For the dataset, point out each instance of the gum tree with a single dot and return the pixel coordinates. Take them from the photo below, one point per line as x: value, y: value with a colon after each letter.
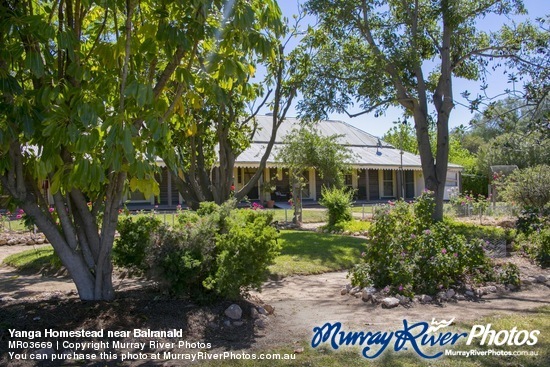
x: 86, y: 91
x: 375, y: 54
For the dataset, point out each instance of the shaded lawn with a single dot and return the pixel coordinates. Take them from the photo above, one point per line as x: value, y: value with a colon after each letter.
x: 34, y: 260
x: 307, y: 253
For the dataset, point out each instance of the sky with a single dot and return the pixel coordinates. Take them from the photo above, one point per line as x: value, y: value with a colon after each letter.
x: 460, y: 115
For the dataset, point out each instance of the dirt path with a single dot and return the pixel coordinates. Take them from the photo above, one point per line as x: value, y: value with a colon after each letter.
x: 303, y: 302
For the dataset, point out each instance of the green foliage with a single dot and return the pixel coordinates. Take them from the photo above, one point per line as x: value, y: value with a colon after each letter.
x: 305, y: 148
x: 531, y: 220
x: 476, y: 184
x: 409, y: 253
x: 219, y: 252
x: 537, y: 246
x: 508, y: 273
x: 130, y: 249
x: 529, y: 187
x: 338, y: 202
x: 243, y: 253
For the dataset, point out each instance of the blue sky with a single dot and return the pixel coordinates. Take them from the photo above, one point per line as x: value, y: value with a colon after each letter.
x: 460, y: 115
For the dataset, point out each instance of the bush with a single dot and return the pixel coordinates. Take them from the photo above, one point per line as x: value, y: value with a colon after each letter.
x: 219, y: 253
x: 532, y: 219
x: 338, y: 202
x: 537, y: 246
x: 243, y: 253
x: 410, y: 254
x: 135, y: 238
x: 529, y: 187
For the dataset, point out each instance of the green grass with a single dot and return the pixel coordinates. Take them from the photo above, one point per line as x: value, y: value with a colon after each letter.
x: 474, y: 231
x: 538, y: 319
x: 314, y: 253
x: 34, y: 260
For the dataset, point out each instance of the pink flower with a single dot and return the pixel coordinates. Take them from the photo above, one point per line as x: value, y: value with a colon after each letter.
x: 51, y: 210
x: 455, y: 254
x: 21, y: 211
x: 19, y: 216
x: 443, y: 251
x: 413, y: 236
x: 400, y: 288
x: 428, y: 232
x: 363, y: 254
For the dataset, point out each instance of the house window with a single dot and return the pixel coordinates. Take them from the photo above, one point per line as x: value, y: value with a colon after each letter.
x: 387, y: 183
x: 239, y: 176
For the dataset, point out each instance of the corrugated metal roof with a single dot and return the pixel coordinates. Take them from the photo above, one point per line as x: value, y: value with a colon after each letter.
x: 365, y: 147
x: 351, y: 136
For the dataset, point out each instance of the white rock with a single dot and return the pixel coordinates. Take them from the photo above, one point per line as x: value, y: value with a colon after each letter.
x: 469, y: 293
x: 390, y: 302
x: 460, y: 297
x: 368, y: 293
x: 234, y: 312
x: 354, y: 290
x: 343, y: 291
x: 262, y: 311
x: 491, y: 289
x: 425, y: 298
x: 442, y: 295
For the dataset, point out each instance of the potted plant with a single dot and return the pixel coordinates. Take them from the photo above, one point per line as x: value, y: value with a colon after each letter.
x: 268, y: 189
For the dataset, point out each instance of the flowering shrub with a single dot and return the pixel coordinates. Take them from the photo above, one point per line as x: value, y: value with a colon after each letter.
x: 410, y: 254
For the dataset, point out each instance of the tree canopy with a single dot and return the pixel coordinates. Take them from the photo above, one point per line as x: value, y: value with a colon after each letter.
x: 89, y: 91
x: 374, y: 54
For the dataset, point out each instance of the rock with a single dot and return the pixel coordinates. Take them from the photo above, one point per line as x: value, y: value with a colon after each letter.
x: 261, y: 323
x: 468, y: 287
x: 403, y: 300
x: 37, y: 318
x: 354, y: 290
x: 425, y: 298
x: 254, y: 313
x: 469, y: 293
x: 299, y: 350
x: 7, y: 299
x: 40, y: 241
x: 491, y: 289
x: 238, y: 323
x: 12, y: 241
x: 442, y: 296
x: 450, y: 293
x: 368, y: 293
x: 344, y: 291
x: 460, y: 297
x: 540, y: 279
x: 270, y: 309
x: 3, y: 242
x: 234, y: 312
x: 212, y: 325
x: 390, y: 302
x: 512, y: 287
x: 227, y: 323
x: 526, y: 282
x: 262, y: 311
x: 30, y: 243
x: 358, y: 295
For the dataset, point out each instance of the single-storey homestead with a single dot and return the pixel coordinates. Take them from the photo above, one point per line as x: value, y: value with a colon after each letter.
x: 380, y: 171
